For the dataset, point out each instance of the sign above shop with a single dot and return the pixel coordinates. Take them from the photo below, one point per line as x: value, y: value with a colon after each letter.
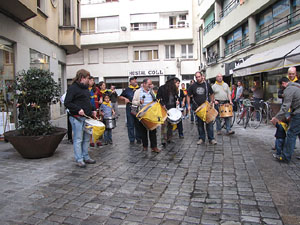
x: 146, y: 73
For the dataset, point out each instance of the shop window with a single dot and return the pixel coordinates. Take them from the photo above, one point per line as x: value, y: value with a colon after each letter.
x: 88, y: 26
x: 67, y: 12
x: 187, y: 51
x: 170, y: 51
x: 108, y: 24
x: 39, y: 60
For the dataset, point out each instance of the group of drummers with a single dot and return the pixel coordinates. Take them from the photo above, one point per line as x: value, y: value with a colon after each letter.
x: 144, y: 115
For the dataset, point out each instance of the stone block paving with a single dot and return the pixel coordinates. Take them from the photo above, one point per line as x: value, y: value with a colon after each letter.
x: 235, y: 182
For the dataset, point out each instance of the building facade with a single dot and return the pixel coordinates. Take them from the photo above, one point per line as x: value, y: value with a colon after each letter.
x: 35, y: 34
x: 240, y: 39
x: 122, y: 38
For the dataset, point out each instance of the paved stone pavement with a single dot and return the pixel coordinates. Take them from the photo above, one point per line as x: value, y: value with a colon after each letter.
x: 234, y: 182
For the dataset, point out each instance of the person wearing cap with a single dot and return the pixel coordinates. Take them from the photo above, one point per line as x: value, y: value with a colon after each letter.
x: 132, y: 121
x: 291, y: 101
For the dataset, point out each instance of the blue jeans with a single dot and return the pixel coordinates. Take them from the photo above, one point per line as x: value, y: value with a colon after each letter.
x: 291, y: 136
x: 192, y: 113
x: 81, y: 139
x: 279, y: 144
x: 108, y: 135
x: 209, y: 130
x: 218, y: 121
x: 132, y: 126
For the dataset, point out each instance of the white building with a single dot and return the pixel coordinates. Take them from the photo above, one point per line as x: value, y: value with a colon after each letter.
x: 155, y: 39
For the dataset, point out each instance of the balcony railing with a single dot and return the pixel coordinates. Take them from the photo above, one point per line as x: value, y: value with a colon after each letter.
x: 237, y: 45
x: 228, y: 8
x: 278, y: 26
x: 212, y: 59
x: 86, y: 2
x: 209, y: 26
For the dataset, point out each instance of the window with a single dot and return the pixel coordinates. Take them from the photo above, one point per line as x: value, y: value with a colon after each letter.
x: 67, y: 12
x: 143, y: 26
x: 187, y: 51
x: 237, y: 39
x: 170, y: 51
x: 88, y: 26
x: 39, y: 60
x: 111, y: 55
x: 146, y: 54
x: 108, y: 24
x: 41, y: 4
x: 296, y: 5
x: 93, y: 56
x: 75, y: 59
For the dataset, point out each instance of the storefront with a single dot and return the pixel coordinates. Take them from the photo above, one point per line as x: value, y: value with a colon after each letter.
x: 7, y: 77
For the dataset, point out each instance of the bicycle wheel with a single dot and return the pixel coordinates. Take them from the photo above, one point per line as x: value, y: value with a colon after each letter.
x: 240, y: 115
x: 255, y: 118
x: 246, y: 120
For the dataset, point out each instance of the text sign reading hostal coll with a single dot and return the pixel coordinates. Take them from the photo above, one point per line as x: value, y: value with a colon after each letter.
x: 146, y: 73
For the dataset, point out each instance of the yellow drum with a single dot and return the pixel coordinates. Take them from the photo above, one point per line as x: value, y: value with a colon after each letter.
x: 152, y: 115
x: 206, y: 112
x: 225, y: 110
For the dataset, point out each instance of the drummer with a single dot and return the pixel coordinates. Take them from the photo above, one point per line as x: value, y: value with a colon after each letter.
x: 222, y: 96
x: 141, y: 98
x: 201, y: 91
x: 168, y: 96
x: 78, y: 103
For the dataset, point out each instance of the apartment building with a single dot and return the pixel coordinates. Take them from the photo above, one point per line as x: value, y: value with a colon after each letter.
x: 250, y: 40
x: 39, y: 34
x: 122, y: 38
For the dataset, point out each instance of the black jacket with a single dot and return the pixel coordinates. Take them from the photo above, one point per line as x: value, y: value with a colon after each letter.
x: 164, y: 98
x: 78, y: 97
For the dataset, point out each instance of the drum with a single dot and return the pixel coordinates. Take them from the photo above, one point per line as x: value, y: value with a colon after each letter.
x: 110, y: 122
x: 225, y: 110
x: 152, y: 115
x: 206, y: 112
x: 90, y: 123
x: 174, y: 116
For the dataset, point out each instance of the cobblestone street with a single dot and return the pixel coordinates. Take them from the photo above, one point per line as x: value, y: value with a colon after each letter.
x: 234, y: 182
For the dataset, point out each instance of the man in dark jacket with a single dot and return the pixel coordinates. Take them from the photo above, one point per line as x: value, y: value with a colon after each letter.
x: 78, y: 102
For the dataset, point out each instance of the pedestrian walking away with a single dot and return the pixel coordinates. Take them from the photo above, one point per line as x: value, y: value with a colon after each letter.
x: 132, y: 121
x: 201, y: 92
x: 78, y: 103
x: 291, y: 101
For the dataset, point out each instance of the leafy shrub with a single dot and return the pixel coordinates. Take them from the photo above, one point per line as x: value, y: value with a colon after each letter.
x: 35, y: 91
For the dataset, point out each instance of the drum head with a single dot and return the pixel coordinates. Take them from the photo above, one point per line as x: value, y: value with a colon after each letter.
x: 174, y: 114
x: 93, y: 122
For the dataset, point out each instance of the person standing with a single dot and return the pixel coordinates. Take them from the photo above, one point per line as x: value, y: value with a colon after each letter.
x: 141, y: 98
x: 292, y: 74
x: 192, y: 112
x: 201, y: 92
x: 291, y: 101
x: 182, y: 95
x: 107, y: 111
x: 132, y: 121
x: 114, y: 99
x: 222, y: 96
x: 79, y: 105
x: 168, y: 96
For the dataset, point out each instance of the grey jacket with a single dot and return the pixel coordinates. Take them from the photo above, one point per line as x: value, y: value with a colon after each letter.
x: 291, y: 100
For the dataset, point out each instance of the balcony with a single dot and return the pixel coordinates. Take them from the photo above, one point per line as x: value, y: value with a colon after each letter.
x: 209, y: 26
x: 278, y: 26
x: 19, y: 9
x: 237, y: 45
x: 69, y: 39
x: 228, y: 8
x: 168, y: 34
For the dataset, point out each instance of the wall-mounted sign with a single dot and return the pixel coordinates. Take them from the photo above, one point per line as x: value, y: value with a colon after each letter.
x: 146, y: 73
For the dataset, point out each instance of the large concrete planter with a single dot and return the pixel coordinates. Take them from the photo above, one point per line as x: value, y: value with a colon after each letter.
x: 35, y: 147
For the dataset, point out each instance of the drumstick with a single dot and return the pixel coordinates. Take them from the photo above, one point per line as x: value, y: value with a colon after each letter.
x: 91, y: 117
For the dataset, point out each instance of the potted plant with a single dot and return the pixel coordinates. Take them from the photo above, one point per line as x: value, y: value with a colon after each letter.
x: 35, y: 136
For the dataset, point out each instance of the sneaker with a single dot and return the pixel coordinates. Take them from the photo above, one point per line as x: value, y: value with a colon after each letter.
x: 81, y: 164
x: 132, y: 143
x: 219, y: 132
x: 90, y: 161
x: 99, y: 143
x: 181, y: 137
x: 155, y: 149
x: 105, y: 143
x: 145, y: 148
x: 200, y: 142
x: 70, y: 141
x: 213, y: 142
x: 230, y: 132
x: 92, y: 145
x: 164, y: 144
x: 110, y: 142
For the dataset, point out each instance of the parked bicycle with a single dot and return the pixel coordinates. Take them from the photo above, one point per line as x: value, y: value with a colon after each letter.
x: 249, y: 114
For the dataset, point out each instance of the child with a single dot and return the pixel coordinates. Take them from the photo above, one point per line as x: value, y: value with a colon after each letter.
x: 107, y: 111
x: 280, y: 135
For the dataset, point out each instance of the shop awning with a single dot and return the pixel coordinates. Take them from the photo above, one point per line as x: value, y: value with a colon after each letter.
x: 273, y: 59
